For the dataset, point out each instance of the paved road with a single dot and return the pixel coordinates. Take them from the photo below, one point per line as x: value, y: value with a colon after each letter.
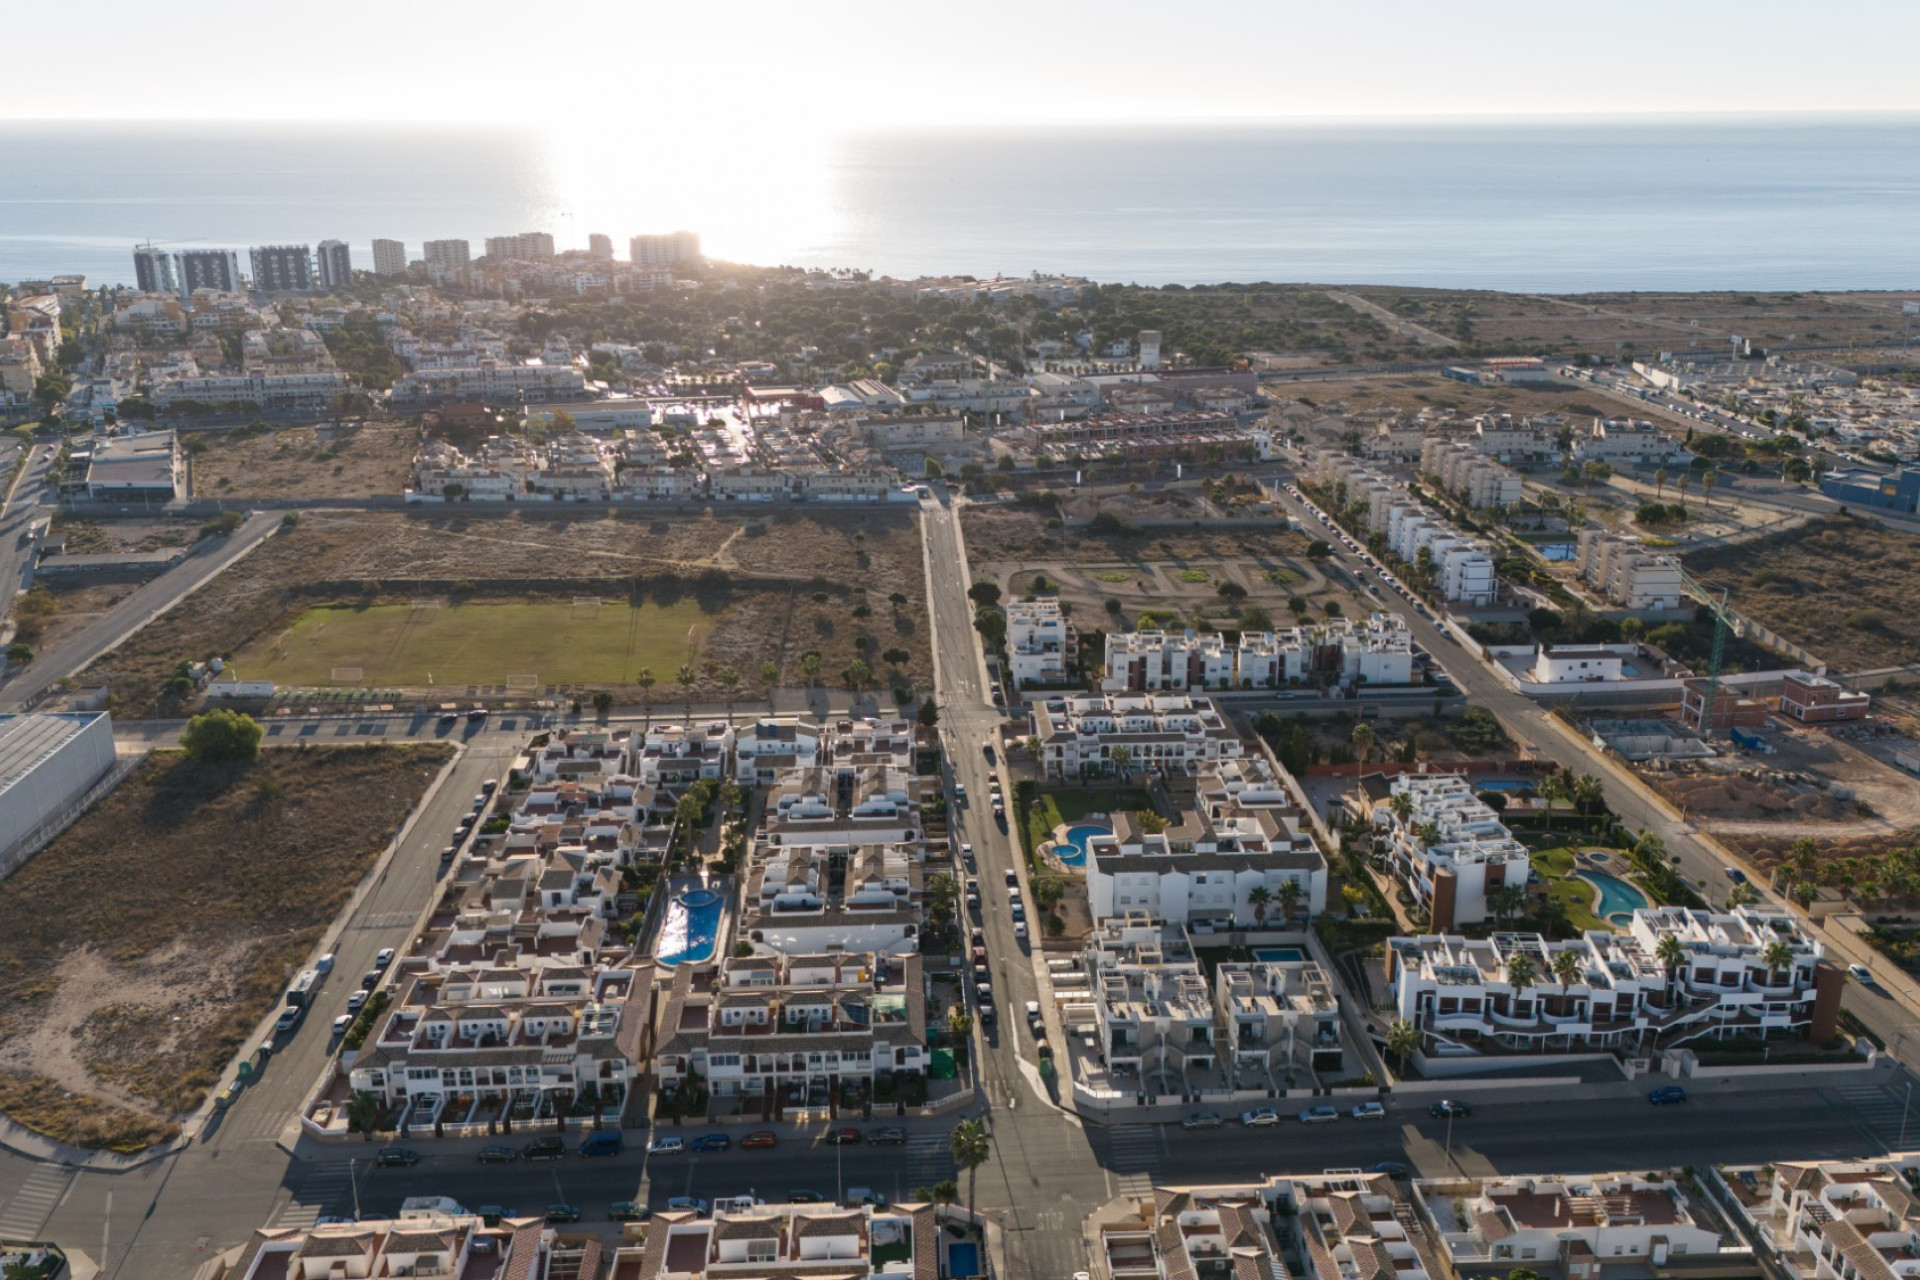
x: 31, y: 499
x: 134, y: 612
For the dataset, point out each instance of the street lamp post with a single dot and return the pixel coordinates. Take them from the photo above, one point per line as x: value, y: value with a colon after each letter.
x: 1906, y: 1108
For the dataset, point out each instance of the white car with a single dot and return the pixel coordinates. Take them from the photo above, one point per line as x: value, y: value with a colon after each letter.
x: 1859, y: 973
x: 1369, y: 1111
x: 324, y: 964
x: 1319, y: 1115
x: 1260, y: 1118
x: 384, y: 959
x: 1020, y: 929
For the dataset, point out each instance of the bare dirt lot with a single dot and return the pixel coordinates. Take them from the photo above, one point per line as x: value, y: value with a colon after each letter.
x: 184, y: 902
x: 347, y: 460
x: 109, y: 537
x: 1413, y: 392
x: 1841, y: 587
x: 774, y: 587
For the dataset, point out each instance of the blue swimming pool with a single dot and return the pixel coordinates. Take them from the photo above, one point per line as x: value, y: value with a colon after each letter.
x: 963, y: 1259
x: 1618, y: 899
x: 1278, y: 955
x: 1073, y: 853
x: 692, y: 927
x: 1503, y: 784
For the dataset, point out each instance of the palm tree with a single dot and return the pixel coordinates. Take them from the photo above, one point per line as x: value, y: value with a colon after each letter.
x: 1566, y: 968
x: 856, y: 675
x: 1122, y: 758
x: 1258, y: 897
x: 1428, y: 833
x: 1403, y: 1041
x: 1506, y: 902
x: 1362, y: 745
x: 1589, y: 793
x: 770, y: 675
x: 1743, y: 895
x: 1671, y: 954
x: 1707, y: 481
x: 1522, y: 973
x: 1402, y: 806
x: 810, y: 666
x: 686, y: 678
x: 363, y: 1113
x: 971, y: 1145
x: 1553, y: 789
x: 1777, y: 957
x: 728, y: 678
x: 1290, y: 894
x: 645, y: 680
x: 1659, y: 483
x: 942, y: 892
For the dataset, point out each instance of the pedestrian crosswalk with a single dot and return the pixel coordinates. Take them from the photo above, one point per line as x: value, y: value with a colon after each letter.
x: 324, y: 1189
x: 386, y: 920
x: 926, y: 1161
x: 1135, y: 1158
x: 1884, y: 1114
x: 35, y: 1202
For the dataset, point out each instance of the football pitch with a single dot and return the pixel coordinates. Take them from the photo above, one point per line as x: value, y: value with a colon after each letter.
x: 586, y: 641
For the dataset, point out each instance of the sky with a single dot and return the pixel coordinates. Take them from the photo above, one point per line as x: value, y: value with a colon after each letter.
x: 627, y: 72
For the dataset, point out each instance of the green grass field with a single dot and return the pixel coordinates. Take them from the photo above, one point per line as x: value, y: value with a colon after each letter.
x: 468, y: 644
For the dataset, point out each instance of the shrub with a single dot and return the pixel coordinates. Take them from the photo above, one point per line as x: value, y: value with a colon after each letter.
x: 1866, y: 620
x: 222, y: 735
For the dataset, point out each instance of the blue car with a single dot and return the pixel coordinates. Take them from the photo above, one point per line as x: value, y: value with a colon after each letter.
x: 1667, y: 1096
x: 711, y: 1142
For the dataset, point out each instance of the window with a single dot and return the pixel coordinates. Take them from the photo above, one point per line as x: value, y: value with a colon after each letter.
x: 760, y: 1250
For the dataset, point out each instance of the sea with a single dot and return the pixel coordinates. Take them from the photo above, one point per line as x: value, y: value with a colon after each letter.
x: 1548, y: 205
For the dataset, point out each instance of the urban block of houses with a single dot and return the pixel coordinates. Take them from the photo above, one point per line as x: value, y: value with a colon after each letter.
x: 807, y: 1031
x: 1627, y: 440
x: 1219, y: 869
x: 1627, y: 573
x: 1573, y: 1227
x: 1044, y: 646
x: 1746, y: 972
x: 777, y: 1242
x: 1469, y: 474
x: 1333, y: 1226
x: 1165, y: 732
x: 1377, y: 651
x: 1448, y: 847
x: 422, y: 1241
x: 1829, y: 1219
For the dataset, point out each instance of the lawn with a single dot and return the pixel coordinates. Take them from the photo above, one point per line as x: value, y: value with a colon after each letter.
x: 1572, y: 893
x: 556, y: 642
x: 140, y: 949
x: 1053, y: 808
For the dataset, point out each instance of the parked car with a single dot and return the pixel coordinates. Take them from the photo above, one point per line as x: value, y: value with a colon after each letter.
x: 562, y: 1213
x: 759, y: 1140
x: 983, y: 994
x: 846, y: 1137
x: 356, y: 1000
x: 1449, y: 1107
x: 805, y: 1197
x: 1259, y: 1117
x: 548, y: 1148
x: 1319, y: 1115
x: 887, y: 1136
x: 384, y: 958
x: 390, y: 1157
x: 1020, y: 929
x: 492, y: 1214
x: 370, y: 979
x: 687, y: 1204
x: 341, y: 1023
x: 711, y: 1142
x: 1393, y: 1169
x: 667, y: 1146
x: 498, y: 1155
x: 1667, y: 1095
x: 628, y: 1211
x: 1369, y: 1111
x: 324, y: 964
x: 1203, y: 1120
x: 1860, y: 973
x: 607, y: 1142
x: 289, y: 1019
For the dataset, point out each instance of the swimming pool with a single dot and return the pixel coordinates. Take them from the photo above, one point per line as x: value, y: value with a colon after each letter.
x: 1618, y: 899
x: 1503, y: 784
x: 1072, y: 852
x: 1278, y: 955
x: 963, y: 1259
x: 692, y: 927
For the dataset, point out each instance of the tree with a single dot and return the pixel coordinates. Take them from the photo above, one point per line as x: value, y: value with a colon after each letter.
x: 603, y: 702
x: 896, y: 657
x: 1256, y: 617
x: 1566, y: 968
x: 1258, y: 897
x: 1362, y: 745
x: 991, y: 624
x: 1402, y: 805
x: 729, y: 680
x: 1777, y: 957
x: 1743, y: 894
x: 970, y: 1145
x: 1291, y: 894
x: 20, y: 653
x: 1589, y: 794
x: 1522, y: 973
x: 646, y: 680
x: 959, y: 1022
x: 1659, y: 483
x: 1403, y: 1041
x: 686, y: 679
x: 363, y: 1113
x: 1707, y: 481
x: 1671, y: 953
x: 857, y: 675
x: 222, y: 735
x: 929, y: 713
x: 770, y: 674
x: 810, y: 666
x: 984, y: 593
x: 1122, y: 758
x: 1506, y: 902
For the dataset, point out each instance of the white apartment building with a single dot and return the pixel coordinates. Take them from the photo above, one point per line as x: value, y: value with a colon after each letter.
x: 1336, y: 1226
x: 492, y: 381
x: 670, y: 249
x: 1578, y: 664
x: 773, y: 745
x: 1627, y: 573
x: 1468, y: 474
x: 793, y: 1030
x: 1377, y: 651
x: 1626, y: 440
x: 420, y: 1242
x: 389, y: 258
x: 1219, y: 869
x: 1168, y: 732
x: 1830, y: 1219
x: 1045, y: 648
x: 1143, y: 661
x: 1470, y: 856
x: 1570, y: 1227
x: 528, y: 246
x: 787, y: 905
x: 496, y: 472
x: 444, y: 256
x: 1621, y: 996
x: 780, y: 1241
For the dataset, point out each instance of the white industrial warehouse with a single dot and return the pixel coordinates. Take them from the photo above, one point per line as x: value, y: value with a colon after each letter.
x: 47, y: 764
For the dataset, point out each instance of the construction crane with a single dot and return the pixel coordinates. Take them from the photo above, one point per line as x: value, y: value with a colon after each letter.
x: 1724, y: 619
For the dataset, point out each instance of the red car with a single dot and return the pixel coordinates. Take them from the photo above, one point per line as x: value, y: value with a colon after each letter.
x: 758, y: 1139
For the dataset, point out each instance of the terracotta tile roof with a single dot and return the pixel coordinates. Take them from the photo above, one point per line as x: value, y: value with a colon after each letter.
x: 1492, y: 1225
